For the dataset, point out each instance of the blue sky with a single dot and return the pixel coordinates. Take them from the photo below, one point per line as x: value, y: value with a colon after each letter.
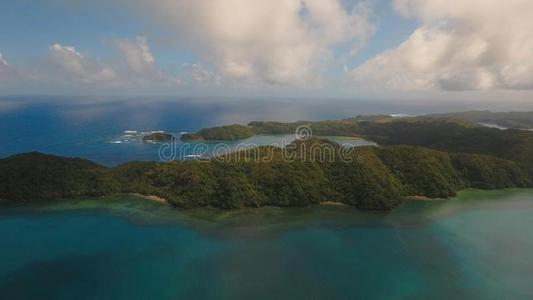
x: 29, y: 27
x: 230, y: 47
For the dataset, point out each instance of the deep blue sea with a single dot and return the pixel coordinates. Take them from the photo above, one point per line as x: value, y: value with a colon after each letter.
x: 476, y: 246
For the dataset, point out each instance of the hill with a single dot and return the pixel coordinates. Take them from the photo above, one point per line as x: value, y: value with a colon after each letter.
x: 369, y: 178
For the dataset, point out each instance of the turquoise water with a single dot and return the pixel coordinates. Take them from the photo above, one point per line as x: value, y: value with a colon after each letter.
x: 477, y: 246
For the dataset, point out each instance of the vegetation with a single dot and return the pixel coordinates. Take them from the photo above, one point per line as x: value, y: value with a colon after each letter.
x: 364, y: 182
x: 422, y: 172
x: 223, y: 133
x: 348, y: 127
x: 158, y: 137
x: 486, y: 172
x: 35, y: 176
x: 452, y: 136
x: 375, y: 178
x: 516, y: 120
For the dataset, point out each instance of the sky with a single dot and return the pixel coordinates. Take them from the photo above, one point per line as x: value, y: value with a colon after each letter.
x: 364, y: 49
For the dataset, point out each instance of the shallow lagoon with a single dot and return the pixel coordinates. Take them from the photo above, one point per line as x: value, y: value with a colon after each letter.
x: 478, y: 245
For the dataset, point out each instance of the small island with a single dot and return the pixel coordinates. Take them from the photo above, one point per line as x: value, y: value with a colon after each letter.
x: 158, y: 137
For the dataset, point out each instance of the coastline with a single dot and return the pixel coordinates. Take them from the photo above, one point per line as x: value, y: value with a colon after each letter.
x: 334, y: 203
x: 152, y: 198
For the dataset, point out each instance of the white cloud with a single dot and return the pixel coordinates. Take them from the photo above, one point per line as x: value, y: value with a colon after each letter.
x: 137, y: 65
x: 282, y: 42
x: 201, y: 75
x: 140, y: 64
x: 460, y: 45
x: 9, y: 74
x: 3, y: 68
x: 3, y: 62
x: 137, y: 55
x: 72, y: 65
x: 67, y: 66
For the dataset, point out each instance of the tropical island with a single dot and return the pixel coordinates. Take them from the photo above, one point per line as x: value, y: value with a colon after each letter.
x: 418, y: 156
